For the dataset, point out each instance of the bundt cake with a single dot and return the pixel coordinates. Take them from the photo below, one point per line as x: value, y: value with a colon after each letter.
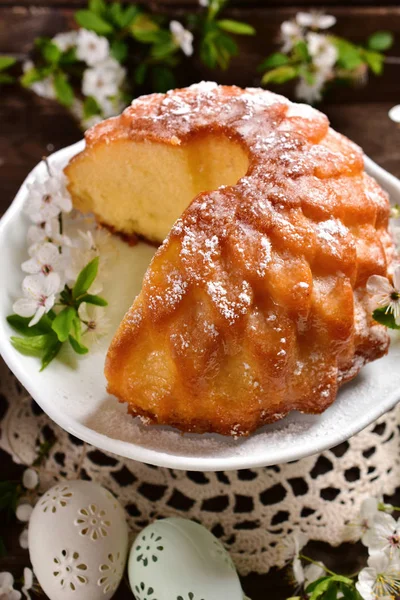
x: 255, y: 304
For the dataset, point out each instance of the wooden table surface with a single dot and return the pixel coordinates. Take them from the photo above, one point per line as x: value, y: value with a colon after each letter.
x: 31, y: 128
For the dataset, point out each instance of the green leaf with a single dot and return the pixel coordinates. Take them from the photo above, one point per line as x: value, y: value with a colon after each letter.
x: 310, y: 588
x: 90, y: 107
x: 278, y: 59
x: 160, y: 51
x: 320, y: 589
x: 63, y: 89
x: 51, y: 352
x: 92, y: 21
x: 144, y: 29
x: 21, y: 324
x: 77, y: 346
x: 35, y: 74
x: 380, y: 41
x: 121, y: 17
x: 129, y: 16
x: 91, y: 299
x: 226, y: 42
x: 50, y: 52
x: 163, y: 79
x: 331, y: 592
x: 77, y: 328
x: 119, y: 50
x: 98, y: 7
x: 301, y: 51
x: 280, y: 75
x: 85, y: 278
x: 342, y: 579
x: 236, y: 27
x: 6, y: 61
x: 382, y: 316
x: 348, y: 54
x: 32, y: 346
x: 5, y: 78
x: 374, y: 60
x: 68, y: 57
x: 63, y: 322
x: 349, y: 592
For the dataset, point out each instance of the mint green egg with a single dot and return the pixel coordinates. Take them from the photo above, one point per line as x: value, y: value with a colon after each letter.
x: 177, y: 559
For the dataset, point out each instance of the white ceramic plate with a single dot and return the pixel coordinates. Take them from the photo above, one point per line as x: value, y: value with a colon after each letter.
x: 73, y: 391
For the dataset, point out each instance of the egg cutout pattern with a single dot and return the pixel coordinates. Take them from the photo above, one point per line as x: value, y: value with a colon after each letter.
x: 78, y: 541
x: 177, y: 559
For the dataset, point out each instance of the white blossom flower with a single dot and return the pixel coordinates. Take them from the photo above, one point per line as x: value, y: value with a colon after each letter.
x: 385, y: 293
x: 46, y: 260
x: 91, y: 48
x: 103, y: 80
x: 368, y: 510
x: 323, y: 52
x: 7, y: 591
x: 384, y: 534
x: 311, y: 92
x: 299, y: 541
x: 40, y: 294
x: 315, y: 20
x: 30, y: 479
x: 65, y: 41
x: 313, y: 572
x: 394, y: 113
x: 43, y: 88
x: 46, y: 232
x: 28, y: 582
x: 47, y: 198
x: 291, y: 32
x: 203, y: 2
x: 182, y: 37
x: 24, y: 539
x: 380, y: 579
x: 96, y: 323
x: 89, y: 245
x: 23, y: 512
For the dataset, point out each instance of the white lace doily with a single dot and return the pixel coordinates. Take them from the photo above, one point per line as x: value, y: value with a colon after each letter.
x: 253, y: 512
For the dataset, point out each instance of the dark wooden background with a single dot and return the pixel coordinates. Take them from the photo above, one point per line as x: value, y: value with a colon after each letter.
x: 31, y: 127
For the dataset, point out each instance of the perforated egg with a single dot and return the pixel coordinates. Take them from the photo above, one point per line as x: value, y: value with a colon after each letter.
x: 177, y: 559
x: 78, y: 541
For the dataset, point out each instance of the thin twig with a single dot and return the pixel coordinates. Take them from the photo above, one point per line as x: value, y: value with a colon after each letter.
x: 315, y: 562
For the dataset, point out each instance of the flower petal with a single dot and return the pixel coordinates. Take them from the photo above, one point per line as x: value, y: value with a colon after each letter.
x: 396, y: 279
x: 31, y: 266
x: 326, y: 21
x: 304, y: 19
x: 39, y: 314
x: 51, y: 284
x: 25, y: 307
x: 33, y: 286
x: 379, y: 285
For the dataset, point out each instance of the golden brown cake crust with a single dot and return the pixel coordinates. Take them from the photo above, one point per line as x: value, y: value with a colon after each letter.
x: 255, y: 305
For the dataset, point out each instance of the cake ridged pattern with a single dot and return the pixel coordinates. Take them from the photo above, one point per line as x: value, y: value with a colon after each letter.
x: 255, y: 304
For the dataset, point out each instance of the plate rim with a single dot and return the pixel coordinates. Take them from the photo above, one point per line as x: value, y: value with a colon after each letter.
x: 147, y: 455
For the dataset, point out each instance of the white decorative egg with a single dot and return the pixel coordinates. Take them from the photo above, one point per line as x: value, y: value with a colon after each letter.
x: 78, y: 541
x: 177, y: 559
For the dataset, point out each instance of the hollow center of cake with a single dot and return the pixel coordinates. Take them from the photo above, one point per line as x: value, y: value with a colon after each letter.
x: 143, y: 187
